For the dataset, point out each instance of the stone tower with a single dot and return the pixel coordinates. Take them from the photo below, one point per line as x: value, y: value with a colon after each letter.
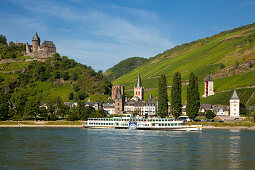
x: 208, y: 87
x: 119, y: 102
x: 35, y: 42
x: 28, y: 49
x: 139, y: 90
x: 234, y: 105
x: 115, y: 89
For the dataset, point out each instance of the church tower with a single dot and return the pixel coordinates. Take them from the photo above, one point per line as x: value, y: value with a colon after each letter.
x: 234, y: 105
x: 208, y: 87
x: 119, y: 102
x: 139, y: 90
x: 115, y: 89
x: 35, y: 42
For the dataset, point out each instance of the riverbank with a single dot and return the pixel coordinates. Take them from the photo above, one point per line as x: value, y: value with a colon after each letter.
x: 242, y: 125
x: 40, y: 124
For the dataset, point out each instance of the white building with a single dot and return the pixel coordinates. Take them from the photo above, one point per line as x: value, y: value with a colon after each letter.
x: 208, y: 87
x: 234, y: 105
x: 142, y: 108
x: 109, y: 107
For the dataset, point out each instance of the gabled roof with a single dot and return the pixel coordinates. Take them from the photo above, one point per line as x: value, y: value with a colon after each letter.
x: 36, y: 38
x: 139, y: 82
x: 208, y: 78
x: 234, y: 96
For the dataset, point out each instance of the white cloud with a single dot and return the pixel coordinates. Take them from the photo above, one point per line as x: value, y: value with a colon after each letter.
x: 97, y: 37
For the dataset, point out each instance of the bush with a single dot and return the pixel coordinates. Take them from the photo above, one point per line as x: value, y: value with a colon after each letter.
x: 222, y: 66
x: 210, y: 114
x: 76, y: 88
x: 65, y: 75
x: 71, y: 96
x: 82, y: 95
x: 72, y: 117
x: 16, y: 118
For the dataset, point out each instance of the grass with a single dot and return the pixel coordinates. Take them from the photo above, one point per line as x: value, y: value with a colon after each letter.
x: 224, y: 124
x: 13, y: 66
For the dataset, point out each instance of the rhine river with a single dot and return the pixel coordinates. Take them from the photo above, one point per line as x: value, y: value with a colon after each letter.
x: 77, y: 148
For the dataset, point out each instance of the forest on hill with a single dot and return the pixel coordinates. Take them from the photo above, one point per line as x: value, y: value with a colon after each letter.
x: 26, y: 82
x: 229, y: 57
x: 124, y: 67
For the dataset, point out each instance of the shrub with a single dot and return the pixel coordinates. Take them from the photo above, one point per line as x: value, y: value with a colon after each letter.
x: 210, y: 114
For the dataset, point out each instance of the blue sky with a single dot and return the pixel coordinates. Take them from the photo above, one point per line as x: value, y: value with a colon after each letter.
x: 100, y: 33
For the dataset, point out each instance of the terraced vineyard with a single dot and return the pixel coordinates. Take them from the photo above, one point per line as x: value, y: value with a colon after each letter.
x: 222, y: 53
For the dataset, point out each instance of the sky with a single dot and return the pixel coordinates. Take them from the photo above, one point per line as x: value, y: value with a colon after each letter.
x: 101, y: 33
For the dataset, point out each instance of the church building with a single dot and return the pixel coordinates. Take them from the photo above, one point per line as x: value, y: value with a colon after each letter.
x: 138, y: 90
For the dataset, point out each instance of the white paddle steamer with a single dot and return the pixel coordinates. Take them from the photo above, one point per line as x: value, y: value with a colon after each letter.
x: 140, y: 123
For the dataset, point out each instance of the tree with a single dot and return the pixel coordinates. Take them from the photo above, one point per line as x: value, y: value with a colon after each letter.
x: 73, y: 114
x: 71, y: 96
x: 82, y: 95
x: 210, y: 114
x: 65, y: 75
x: 193, y: 97
x: 61, y: 109
x: 98, y: 114
x: 74, y: 76
x: 20, y: 103
x: 162, y: 97
x: 86, y: 112
x: 43, y: 113
x: 32, y: 108
x: 57, y: 56
x: 4, y: 107
x: 176, y: 92
x: 56, y: 74
x: 3, y: 40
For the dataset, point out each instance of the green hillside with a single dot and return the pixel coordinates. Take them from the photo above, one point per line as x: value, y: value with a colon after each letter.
x: 48, y: 78
x: 229, y: 57
x: 124, y: 67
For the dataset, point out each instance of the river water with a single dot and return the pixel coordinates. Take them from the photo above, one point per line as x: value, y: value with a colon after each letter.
x: 77, y: 148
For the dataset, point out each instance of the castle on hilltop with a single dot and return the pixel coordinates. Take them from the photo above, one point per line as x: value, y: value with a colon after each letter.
x: 45, y: 50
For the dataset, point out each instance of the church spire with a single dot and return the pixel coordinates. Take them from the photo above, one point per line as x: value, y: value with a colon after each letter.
x: 139, y: 82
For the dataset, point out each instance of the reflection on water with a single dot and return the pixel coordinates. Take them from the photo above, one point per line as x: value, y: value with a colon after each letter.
x: 234, y: 149
x: 74, y: 148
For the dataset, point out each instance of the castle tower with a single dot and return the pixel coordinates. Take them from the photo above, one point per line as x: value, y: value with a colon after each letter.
x: 115, y: 89
x: 119, y: 102
x: 35, y: 42
x: 234, y: 105
x: 208, y: 87
x: 139, y: 90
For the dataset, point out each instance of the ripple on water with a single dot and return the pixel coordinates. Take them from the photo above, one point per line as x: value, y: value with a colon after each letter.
x: 73, y: 148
